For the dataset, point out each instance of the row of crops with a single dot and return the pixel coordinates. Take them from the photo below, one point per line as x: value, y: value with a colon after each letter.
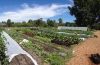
x: 53, y: 48
x: 61, y: 39
x: 3, y: 57
x: 74, y: 37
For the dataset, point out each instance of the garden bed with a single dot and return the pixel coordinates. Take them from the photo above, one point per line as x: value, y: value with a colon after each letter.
x: 40, y: 43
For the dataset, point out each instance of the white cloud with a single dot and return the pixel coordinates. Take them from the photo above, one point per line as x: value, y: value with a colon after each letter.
x: 34, y: 12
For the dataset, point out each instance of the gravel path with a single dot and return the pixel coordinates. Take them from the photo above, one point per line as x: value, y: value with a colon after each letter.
x: 84, y: 50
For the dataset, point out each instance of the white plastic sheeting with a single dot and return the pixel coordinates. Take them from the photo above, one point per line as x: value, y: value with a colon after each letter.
x: 72, y: 28
x: 70, y: 33
x: 14, y: 49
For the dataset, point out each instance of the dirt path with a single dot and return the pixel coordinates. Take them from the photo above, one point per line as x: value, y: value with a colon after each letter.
x: 83, y: 51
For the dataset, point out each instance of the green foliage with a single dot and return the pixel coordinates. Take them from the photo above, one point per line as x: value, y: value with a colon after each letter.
x: 28, y: 32
x: 9, y: 23
x: 55, y: 59
x: 41, y: 44
x: 51, y: 23
x: 66, y: 41
x: 30, y: 21
x: 86, y: 12
x: 73, y: 40
x: 69, y: 24
x: 96, y: 26
x: 39, y: 22
x: 3, y: 57
x: 60, y: 22
x: 1, y: 30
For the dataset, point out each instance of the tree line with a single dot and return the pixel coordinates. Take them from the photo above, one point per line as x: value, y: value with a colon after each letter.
x: 37, y: 23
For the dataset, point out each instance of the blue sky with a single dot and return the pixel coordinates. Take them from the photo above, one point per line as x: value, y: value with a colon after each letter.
x: 22, y: 10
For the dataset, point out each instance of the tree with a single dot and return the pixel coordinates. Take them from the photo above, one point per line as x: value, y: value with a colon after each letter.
x: 70, y: 24
x: 30, y: 21
x: 39, y: 22
x: 24, y: 24
x: 9, y: 24
x: 51, y: 23
x: 60, y: 21
x: 87, y: 12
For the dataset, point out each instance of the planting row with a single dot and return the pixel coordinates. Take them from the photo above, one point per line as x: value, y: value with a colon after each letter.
x: 50, y: 46
x: 50, y: 53
x: 3, y: 57
x: 63, y: 39
x: 66, y: 42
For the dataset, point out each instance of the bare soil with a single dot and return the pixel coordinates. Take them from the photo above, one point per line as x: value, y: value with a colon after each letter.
x: 21, y: 60
x: 83, y: 51
x: 37, y: 58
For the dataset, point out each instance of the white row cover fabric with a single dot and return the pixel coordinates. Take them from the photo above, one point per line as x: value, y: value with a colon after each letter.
x: 14, y: 49
x: 72, y: 28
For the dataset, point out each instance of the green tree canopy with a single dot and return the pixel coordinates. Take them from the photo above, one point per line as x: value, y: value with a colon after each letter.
x: 30, y: 21
x: 51, y: 23
x: 60, y: 21
x: 39, y: 22
x: 70, y: 24
x: 9, y: 23
x: 87, y: 12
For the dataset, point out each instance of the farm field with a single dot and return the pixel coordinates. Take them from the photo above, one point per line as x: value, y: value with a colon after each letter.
x: 46, y: 45
x: 50, y: 32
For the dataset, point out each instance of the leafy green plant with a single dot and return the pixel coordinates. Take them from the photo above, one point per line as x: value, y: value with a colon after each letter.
x: 55, y: 59
x: 41, y: 44
x: 3, y: 57
x: 67, y: 41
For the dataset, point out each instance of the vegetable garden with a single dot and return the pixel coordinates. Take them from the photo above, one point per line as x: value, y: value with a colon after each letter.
x: 53, y: 48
